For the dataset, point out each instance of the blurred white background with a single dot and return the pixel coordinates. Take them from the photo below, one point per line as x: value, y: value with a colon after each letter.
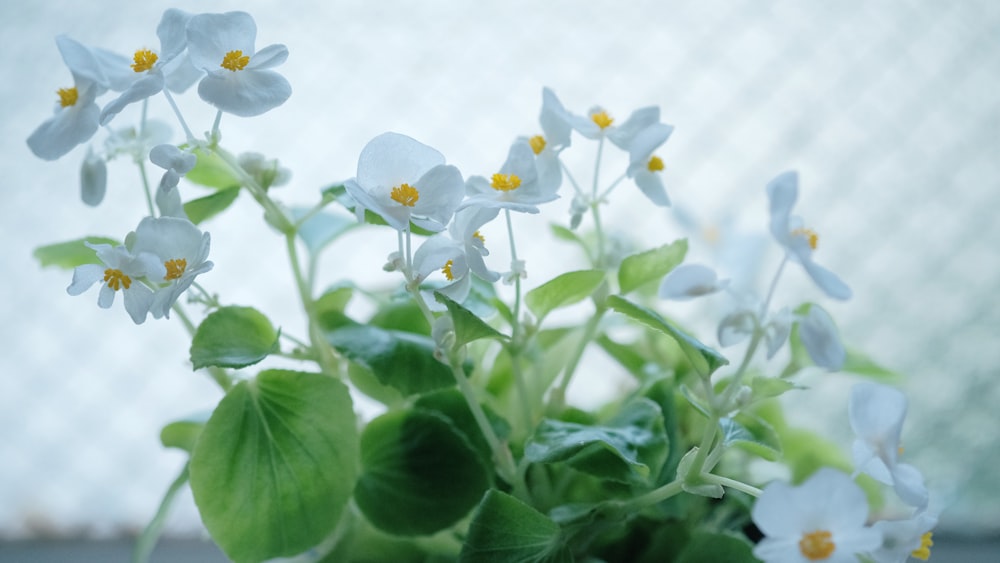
x: 888, y: 110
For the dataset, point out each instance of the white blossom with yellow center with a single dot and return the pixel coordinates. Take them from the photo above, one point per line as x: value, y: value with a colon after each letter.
x: 238, y: 79
x: 823, y: 519
x: 518, y: 186
x: 182, y: 250
x: 121, y: 270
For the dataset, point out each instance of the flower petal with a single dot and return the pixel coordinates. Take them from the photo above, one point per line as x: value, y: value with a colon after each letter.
x: 245, y: 93
x: 65, y: 130
x: 150, y: 83
x: 821, y: 340
x: 391, y: 159
x: 688, y: 281
x: 827, y: 280
x: 93, y: 179
x: 782, y: 192
x: 269, y: 57
x: 211, y: 36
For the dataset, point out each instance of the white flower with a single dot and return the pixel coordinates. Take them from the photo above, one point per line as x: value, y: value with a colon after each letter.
x: 93, y: 179
x: 122, y: 271
x: 688, y: 281
x: 459, y: 254
x: 555, y: 122
x: 902, y: 539
x: 518, y: 186
x: 151, y: 69
x: 646, y: 168
x: 742, y: 323
x: 876, y: 413
x: 238, y: 79
x: 176, y: 163
x: 76, y: 113
x: 598, y: 123
x: 137, y: 142
x: 181, y: 250
x: 404, y: 180
x: 823, y: 519
x: 266, y: 171
x: 821, y: 340
x: 798, y: 241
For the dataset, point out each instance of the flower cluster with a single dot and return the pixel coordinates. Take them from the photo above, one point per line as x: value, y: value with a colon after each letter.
x: 162, y: 258
x: 826, y: 518
x: 478, y: 440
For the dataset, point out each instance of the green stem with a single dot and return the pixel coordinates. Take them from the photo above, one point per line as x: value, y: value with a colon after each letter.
x: 516, y: 336
x: 655, y: 496
x: 180, y: 118
x: 558, y: 398
x: 146, y: 542
x: 595, y: 203
x: 731, y: 483
x: 325, y: 356
x: 145, y: 187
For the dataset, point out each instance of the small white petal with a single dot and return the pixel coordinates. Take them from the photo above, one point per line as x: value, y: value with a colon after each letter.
x: 651, y: 185
x: 622, y: 135
x: 821, y: 340
x: 688, y: 281
x: 827, y: 280
x: 93, y: 179
x: 84, y: 277
x: 736, y: 327
x: 211, y: 36
x: 245, y: 93
x: 151, y: 83
x: 65, y: 130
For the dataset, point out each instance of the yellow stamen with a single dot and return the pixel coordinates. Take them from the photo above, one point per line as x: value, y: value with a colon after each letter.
x: 537, y: 144
x: 505, y: 182
x: 816, y: 546
x: 144, y: 60
x: 447, y: 270
x: 602, y: 119
x: 68, y: 96
x: 235, y: 60
x: 655, y: 164
x: 175, y: 268
x: 405, y: 194
x: 479, y: 236
x: 810, y: 235
x: 923, y: 552
x: 116, y: 279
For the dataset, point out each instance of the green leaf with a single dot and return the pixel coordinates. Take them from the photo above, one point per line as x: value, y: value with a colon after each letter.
x: 468, y: 327
x: 275, y: 465
x: 860, y: 364
x: 703, y: 359
x: 707, y: 546
x: 233, y: 337
x: 624, y: 354
x: 505, y: 530
x: 213, y: 172
x: 451, y: 404
x: 420, y: 475
x: 769, y: 387
x: 626, y: 450
x: 204, y: 208
x: 70, y: 254
x: 752, y: 434
x: 563, y: 290
x: 181, y: 434
x: 401, y: 314
x: 399, y: 359
x: 642, y: 268
x: 321, y: 228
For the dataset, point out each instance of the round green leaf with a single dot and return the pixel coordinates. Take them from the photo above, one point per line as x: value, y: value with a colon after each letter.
x: 563, y: 290
x: 644, y: 267
x: 402, y: 360
x: 275, y: 464
x: 420, y: 474
x: 505, y: 530
x: 233, y: 337
x: 70, y: 254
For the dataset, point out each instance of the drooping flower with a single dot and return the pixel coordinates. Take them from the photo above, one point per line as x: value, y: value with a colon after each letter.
x: 821, y: 339
x: 823, y: 519
x: 876, y: 414
x: 176, y: 163
x: 645, y: 167
x: 181, y: 250
x: 518, y: 186
x: 122, y: 270
x: 403, y: 180
x: 902, y: 539
x: 797, y: 240
x: 458, y: 254
x: 238, y: 80
x: 151, y: 69
x: 93, y: 179
x: 76, y: 112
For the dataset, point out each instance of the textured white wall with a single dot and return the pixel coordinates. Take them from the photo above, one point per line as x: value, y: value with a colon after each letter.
x: 888, y: 110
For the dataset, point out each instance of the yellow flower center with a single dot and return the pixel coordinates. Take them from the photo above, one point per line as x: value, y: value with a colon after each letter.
x: 116, y: 279
x: 810, y: 235
x: 68, y: 96
x: 479, y: 236
x: 175, y: 268
x: 144, y: 60
x: 537, y: 143
x: 817, y: 546
x: 923, y: 552
x: 655, y: 164
x: 505, y: 182
x: 405, y: 194
x: 602, y: 119
x: 447, y: 270
x: 235, y: 60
